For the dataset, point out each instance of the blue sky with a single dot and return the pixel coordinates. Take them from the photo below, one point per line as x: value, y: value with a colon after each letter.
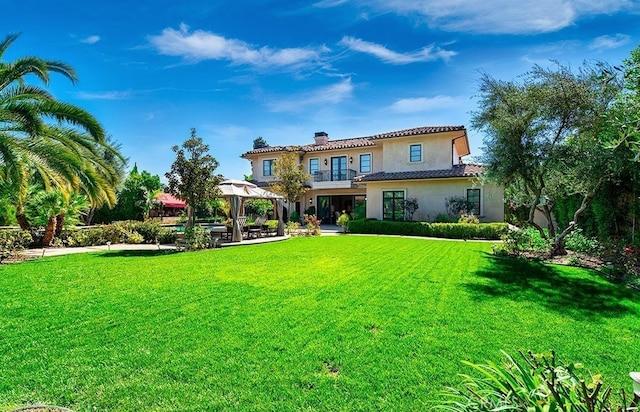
x: 235, y: 70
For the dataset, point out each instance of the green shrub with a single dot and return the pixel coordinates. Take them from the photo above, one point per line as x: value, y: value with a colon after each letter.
x: 469, y: 218
x: 492, y: 231
x: 197, y: 238
x: 292, y: 228
x: 539, y: 384
x: 129, y: 231
x: 133, y: 238
x: 150, y: 230
x: 578, y: 242
x: 343, y: 220
x: 12, y: 242
x: 73, y: 237
x: 272, y: 225
x: 258, y: 207
x: 359, y: 212
x: 312, y: 225
x: 166, y: 236
x: 445, y: 218
x: 524, y: 240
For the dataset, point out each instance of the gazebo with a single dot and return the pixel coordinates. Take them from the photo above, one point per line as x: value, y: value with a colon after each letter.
x: 236, y: 190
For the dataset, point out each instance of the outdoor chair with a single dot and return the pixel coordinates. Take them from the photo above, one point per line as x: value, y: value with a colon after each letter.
x: 242, y: 222
x: 218, y: 232
x: 255, y: 230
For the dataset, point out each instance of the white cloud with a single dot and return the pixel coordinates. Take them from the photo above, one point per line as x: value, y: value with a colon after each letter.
x: 91, y: 39
x: 500, y: 16
x: 201, y: 45
x: 609, y: 42
x: 423, y: 104
x: 325, y: 4
x: 389, y: 56
x: 328, y: 95
x: 109, y: 95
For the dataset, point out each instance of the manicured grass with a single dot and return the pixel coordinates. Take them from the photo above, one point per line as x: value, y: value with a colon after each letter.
x: 329, y: 323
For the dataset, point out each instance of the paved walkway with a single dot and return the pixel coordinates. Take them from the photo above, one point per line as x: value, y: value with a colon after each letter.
x: 327, y: 230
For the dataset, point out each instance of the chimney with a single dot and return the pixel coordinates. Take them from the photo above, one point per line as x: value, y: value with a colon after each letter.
x: 321, y: 138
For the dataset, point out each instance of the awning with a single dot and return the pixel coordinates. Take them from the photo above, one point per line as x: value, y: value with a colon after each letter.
x: 167, y: 200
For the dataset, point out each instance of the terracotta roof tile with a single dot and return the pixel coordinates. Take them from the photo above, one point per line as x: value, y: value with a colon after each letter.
x: 465, y: 170
x: 417, y: 131
x: 354, y: 142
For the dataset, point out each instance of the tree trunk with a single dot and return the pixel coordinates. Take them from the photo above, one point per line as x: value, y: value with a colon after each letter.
x: 86, y: 219
x: 59, y: 223
x: 22, y: 220
x: 190, y: 221
x: 49, y: 231
x: 558, y: 244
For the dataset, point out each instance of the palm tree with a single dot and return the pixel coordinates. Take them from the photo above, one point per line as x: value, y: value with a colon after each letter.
x: 59, y: 144
x: 44, y: 208
x: 75, y: 207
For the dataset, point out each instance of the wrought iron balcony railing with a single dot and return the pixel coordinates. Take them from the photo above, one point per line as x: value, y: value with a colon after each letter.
x: 333, y: 175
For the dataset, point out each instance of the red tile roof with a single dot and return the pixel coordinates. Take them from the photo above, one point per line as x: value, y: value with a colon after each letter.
x: 354, y: 142
x: 417, y: 131
x: 464, y: 170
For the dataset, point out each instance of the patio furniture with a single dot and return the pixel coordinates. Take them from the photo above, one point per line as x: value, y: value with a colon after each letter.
x: 242, y: 224
x: 269, y: 229
x: 219, y: 231
x: 255, y: 229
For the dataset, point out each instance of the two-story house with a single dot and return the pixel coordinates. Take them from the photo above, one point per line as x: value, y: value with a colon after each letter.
x: 385, y: 169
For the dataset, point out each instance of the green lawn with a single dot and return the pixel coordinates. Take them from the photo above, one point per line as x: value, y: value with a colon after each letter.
x: 326, y: 323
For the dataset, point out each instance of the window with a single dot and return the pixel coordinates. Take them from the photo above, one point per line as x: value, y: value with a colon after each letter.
x: 473, y: 199
x: 365, y: 163
x: 314, y: 166
x: 267, y: 167
x: 392, y: 205
x: 339, y: 168
x: 415, y: 153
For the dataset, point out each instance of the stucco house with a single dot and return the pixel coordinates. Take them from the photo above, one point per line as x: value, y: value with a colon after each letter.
x: 382, y: 170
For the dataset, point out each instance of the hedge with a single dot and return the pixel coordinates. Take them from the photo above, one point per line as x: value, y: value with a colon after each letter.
x: 13, y: 241
x: 491, y: 231
x: 128, y: 231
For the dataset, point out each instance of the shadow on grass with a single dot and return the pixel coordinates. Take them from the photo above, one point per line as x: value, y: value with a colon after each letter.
x: 560, y: 289
x: 136, y: 253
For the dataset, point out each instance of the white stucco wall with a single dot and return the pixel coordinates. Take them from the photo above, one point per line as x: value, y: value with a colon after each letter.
x: 437, y: 152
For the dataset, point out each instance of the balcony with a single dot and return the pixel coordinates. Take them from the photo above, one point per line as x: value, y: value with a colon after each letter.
x: 332, y: 179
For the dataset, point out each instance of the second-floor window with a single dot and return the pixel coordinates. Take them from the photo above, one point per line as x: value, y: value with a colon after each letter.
x: 314, y: 166
x: 415, y: 153
x: 267, y: 167
x: 339, y: 168
x: 365, y: 163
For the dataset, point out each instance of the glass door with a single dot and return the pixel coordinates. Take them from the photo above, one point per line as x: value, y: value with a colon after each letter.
x: 324, y: 209
x: 339, y: 168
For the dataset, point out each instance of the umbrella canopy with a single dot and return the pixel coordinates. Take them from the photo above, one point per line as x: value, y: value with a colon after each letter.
x: 167, y: 200
x: 237, y: 189
x: 242, y: 188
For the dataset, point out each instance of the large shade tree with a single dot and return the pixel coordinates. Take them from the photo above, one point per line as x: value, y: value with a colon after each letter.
x: 290, y: 178
x: 55, y: 143
x: 544, y: 138
x: 624, y: 117
x: 192, y: 177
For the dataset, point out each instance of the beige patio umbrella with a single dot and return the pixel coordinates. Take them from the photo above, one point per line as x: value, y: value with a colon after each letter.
x: 236, y: 190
